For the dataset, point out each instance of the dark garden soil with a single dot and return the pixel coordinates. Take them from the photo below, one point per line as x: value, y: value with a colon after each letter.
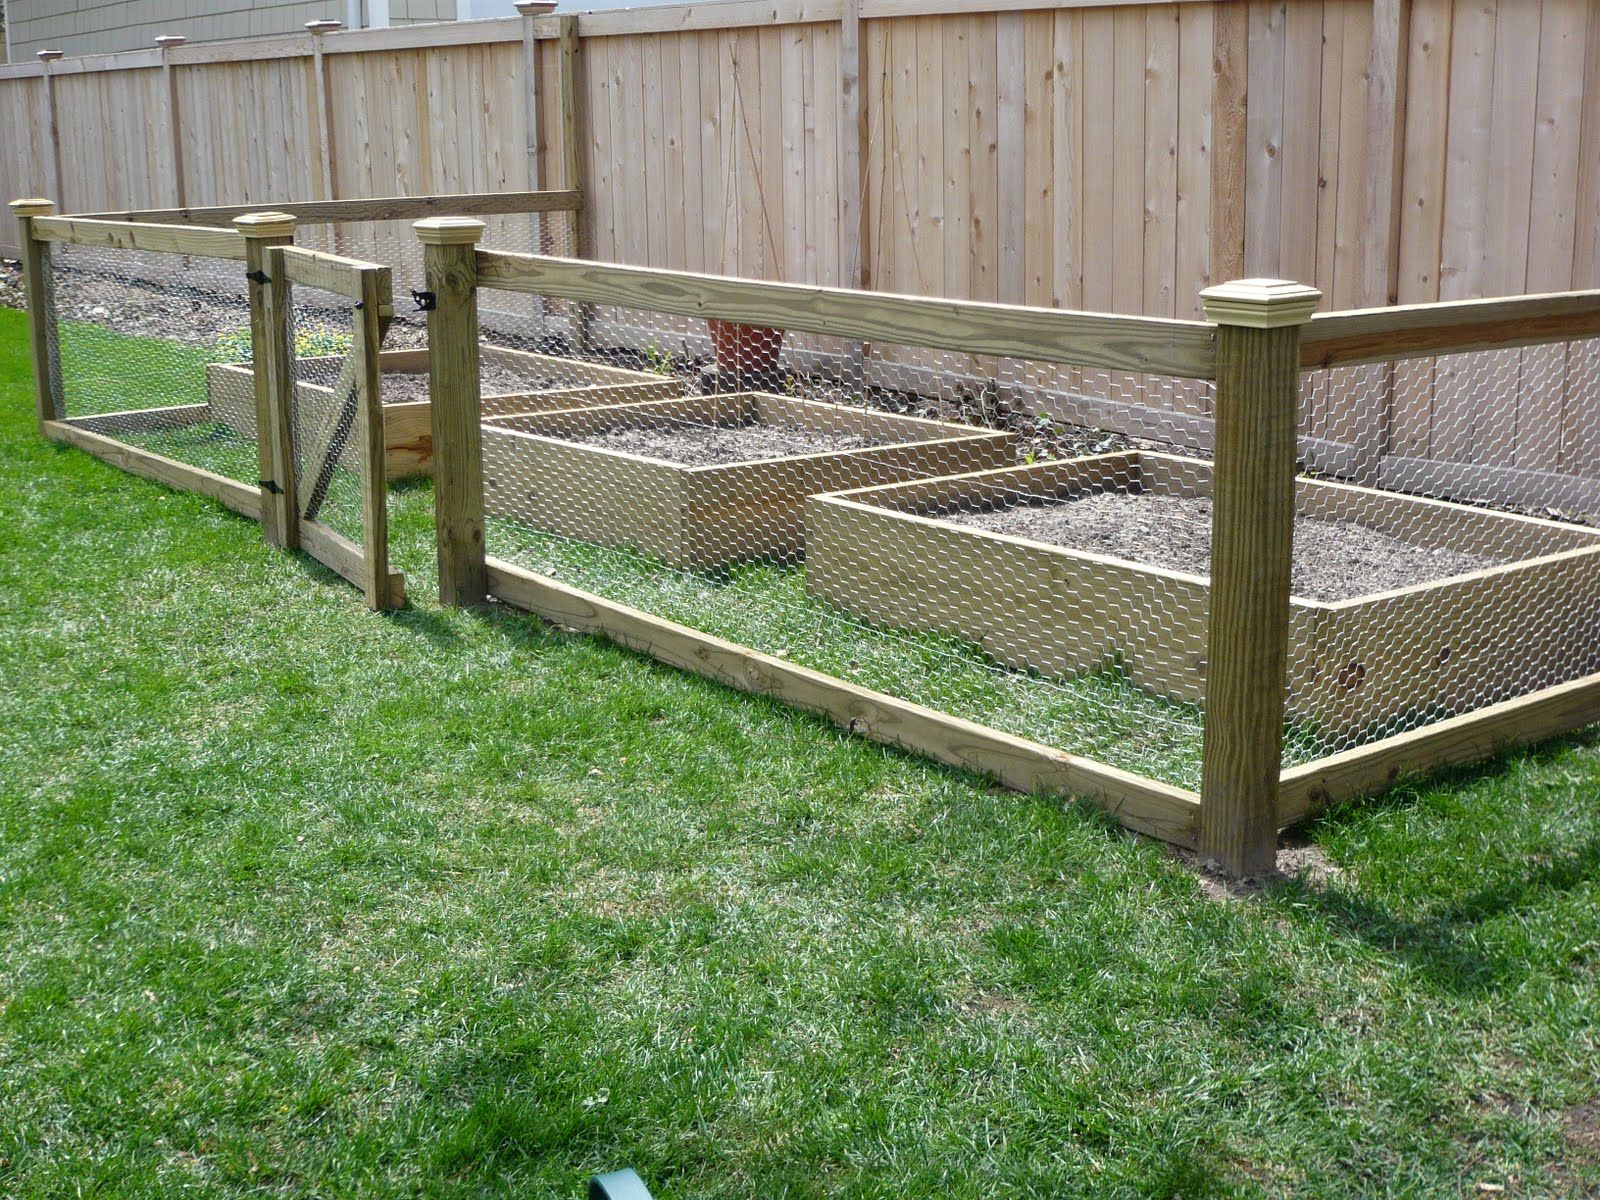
x: 1333, y: 560
x: 714, y: 445
x: 405, y: 387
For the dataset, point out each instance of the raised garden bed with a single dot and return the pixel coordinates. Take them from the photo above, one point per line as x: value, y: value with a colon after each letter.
x: 1385, y: 625
x: 513, y: 381
x: 709, y: 480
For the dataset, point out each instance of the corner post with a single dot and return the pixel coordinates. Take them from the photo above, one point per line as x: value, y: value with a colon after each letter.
x: 39, y: 281
x: 450, y: 264
x: 1259, y: 322
x: 273, y: 365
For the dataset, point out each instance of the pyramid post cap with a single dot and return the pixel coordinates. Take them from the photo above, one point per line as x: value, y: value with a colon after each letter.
x: 1260, y: 303
x: 449, y: 231
x: 265, y: 224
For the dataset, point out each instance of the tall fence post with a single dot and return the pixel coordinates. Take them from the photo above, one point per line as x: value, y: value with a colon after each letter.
x: 1252, y: 541
x: 580, y: 315
x: 40, y: 286
x: 53, y: 116
x: 273, y: 365
x: 450, y: 265
x: 169, y: 81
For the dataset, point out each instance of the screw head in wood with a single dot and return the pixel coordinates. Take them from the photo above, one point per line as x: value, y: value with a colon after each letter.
x: 448, y: 231
x: 1260, y: 303
x: 35, y: 207
x: 265, y: 224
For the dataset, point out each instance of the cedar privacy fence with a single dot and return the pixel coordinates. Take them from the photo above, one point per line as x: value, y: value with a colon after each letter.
x: 848, y: 500
x: 1076, y: 154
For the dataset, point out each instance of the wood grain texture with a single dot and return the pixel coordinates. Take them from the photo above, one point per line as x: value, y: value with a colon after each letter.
x: 242, y: 498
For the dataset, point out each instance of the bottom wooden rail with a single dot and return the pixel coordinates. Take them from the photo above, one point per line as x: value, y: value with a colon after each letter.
x: 348, y: 560
x: 1159, y: 809
x: 333, y: 550
x: 243, y: 498
x: 1451, y: 742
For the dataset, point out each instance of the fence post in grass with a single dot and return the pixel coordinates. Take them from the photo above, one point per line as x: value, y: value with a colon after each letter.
x: 40, y: 285
x: 450, y: 265
x: 1259, y: 323
x: 273, y: 366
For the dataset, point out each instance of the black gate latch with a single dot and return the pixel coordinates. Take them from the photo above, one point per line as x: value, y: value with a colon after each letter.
x: 425, y: 301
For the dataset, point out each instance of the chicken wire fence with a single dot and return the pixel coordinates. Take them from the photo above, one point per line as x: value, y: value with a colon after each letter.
x: 990, y: 556
x: 1446, y: 555
x: 138, y: 335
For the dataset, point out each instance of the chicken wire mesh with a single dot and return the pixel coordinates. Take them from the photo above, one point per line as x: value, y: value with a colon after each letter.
x: 1446, y: 555
x: 141, y: 337
x: 993, y: 554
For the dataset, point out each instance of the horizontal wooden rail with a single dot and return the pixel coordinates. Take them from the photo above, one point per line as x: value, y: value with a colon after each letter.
x: 1156, y: 808
x: 1150, y: 345
x: 244, y: 499
x: 331, y: 272
x: 127, y: 235
x: 1452, y: 742
x: 377, y: 208
x: 1370, y: 335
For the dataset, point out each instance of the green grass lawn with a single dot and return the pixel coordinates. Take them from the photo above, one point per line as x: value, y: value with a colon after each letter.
x: 301, y: 901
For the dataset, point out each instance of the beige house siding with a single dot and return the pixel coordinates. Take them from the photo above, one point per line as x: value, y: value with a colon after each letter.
x: 87, y: 27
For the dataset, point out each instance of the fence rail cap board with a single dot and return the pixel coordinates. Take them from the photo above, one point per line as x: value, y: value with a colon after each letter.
x: 129, y: 235
x: 1154, y: 345
x: 373, y: 208
x: 1454, y: 326
x: 1260, y: 303
x: 265, y: 224
x: 36, y: 207
x: 334, y: 273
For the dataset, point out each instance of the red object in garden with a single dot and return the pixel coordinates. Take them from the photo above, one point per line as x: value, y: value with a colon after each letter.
x: 745, y: 349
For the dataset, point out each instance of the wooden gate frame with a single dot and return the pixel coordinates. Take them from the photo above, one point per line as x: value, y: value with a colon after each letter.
x: 259, y: 243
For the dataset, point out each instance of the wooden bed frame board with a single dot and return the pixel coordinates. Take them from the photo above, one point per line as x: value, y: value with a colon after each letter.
x: 704, y: 517
x: 885, y: 555
x: 408, y: 425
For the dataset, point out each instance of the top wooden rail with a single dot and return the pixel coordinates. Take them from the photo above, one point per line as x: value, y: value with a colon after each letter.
x: 332, y: 272
x: 132, y: 235
x: 1371, y: 335
x: 377, y: 208
x: 1152, y: 345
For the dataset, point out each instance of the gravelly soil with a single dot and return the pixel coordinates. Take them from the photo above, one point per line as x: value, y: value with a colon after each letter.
x: 704, y: 445
x: 1333, y: 560
x: 403, y: 387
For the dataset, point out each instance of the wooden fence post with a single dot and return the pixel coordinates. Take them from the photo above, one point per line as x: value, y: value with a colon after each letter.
x: 53, y: 116
x: 40, y: 285
x: 450, y: 265
x: 1252, y: 540
x: 273, y: 364
x: 324, y: 147
x: 169, y: 82
x: 580, y: 315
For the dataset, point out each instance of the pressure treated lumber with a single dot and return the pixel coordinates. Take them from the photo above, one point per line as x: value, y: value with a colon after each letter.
x: 377, y: 208
x: 128, y: 235
x: 1143, y: 804
x: 1452, y: 742
x: 1145, y: 344
x: 242, y: 498
x: 40, y: 288
x: 272, y: 361
x: 346, y: 559
x: 1252, y: 541
x: 366, y: 354
x: 450, y: 266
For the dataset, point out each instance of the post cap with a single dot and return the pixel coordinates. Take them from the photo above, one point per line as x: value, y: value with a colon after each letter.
x: 324, y: 26
x: 535, y: 8
x: 1260, y: 303
x: 448, y: 231
x: 50, y: 55
x: 170, y: 39
x: 32, y: 208
x: 265, y: 224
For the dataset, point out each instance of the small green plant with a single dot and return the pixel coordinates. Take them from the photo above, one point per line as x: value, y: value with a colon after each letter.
x: 658, y: 361
x: 311, y: 341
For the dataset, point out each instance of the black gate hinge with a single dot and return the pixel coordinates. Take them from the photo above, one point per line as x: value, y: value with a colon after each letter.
x: 271, y: 485
x: 258, y: 277
x: 425, y: 301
